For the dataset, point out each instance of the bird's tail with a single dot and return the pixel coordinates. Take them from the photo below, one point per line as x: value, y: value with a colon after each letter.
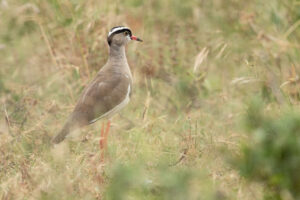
x: 63, y: 133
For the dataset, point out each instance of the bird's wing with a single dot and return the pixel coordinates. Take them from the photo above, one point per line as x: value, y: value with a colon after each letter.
x: 102, y: 95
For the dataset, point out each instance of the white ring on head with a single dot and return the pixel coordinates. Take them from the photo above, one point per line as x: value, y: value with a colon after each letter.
x: 116, y: 29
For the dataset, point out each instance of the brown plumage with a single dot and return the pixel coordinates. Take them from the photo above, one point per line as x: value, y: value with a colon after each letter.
x: 109, y: 91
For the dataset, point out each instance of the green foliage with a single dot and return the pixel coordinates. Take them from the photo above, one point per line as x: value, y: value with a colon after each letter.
x: 134, y: 182
x: 272, y: 155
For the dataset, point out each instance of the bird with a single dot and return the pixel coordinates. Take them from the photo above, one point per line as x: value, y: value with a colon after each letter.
x: 107, y: 93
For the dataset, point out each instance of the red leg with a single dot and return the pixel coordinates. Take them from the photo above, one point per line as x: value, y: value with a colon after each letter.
x: 103, y: 139
x: 106, y: 132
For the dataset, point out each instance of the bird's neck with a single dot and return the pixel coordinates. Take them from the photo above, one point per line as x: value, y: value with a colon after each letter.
x: 117, y: 61
x: 117, y: 55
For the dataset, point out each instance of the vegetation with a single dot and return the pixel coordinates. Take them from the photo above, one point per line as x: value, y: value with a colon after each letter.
x: 274, y: 155
x: 194, y: 74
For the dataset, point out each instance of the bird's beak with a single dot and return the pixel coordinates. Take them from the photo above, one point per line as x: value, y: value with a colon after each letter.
x: 136, y: 38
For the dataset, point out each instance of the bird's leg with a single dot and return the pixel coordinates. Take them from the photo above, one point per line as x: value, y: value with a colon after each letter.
x: 103, y: 139
x: 106, y: 132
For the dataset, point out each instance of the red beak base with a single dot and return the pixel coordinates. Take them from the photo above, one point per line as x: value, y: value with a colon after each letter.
x: 136, y: 38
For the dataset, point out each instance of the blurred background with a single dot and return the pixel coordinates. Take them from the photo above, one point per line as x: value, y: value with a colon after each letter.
x: 213, y: 115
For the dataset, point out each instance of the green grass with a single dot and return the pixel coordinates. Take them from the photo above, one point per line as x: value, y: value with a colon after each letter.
x: 194, y: 74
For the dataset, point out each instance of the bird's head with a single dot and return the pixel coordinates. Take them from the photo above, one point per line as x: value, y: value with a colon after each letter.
x: 120, y: 35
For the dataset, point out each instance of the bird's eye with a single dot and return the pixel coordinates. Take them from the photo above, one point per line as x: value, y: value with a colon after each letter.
x: 126, y: 33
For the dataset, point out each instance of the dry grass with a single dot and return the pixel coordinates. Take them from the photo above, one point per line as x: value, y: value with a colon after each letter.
x: 201, y: 61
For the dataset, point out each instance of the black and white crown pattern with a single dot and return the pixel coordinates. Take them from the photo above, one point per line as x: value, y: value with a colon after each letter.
x: 118, y: 29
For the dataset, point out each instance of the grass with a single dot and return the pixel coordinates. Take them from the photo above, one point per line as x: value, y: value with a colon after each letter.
x: 194, y: 74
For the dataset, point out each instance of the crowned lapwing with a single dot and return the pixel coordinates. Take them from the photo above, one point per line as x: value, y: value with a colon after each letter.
x: 108, y: 93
